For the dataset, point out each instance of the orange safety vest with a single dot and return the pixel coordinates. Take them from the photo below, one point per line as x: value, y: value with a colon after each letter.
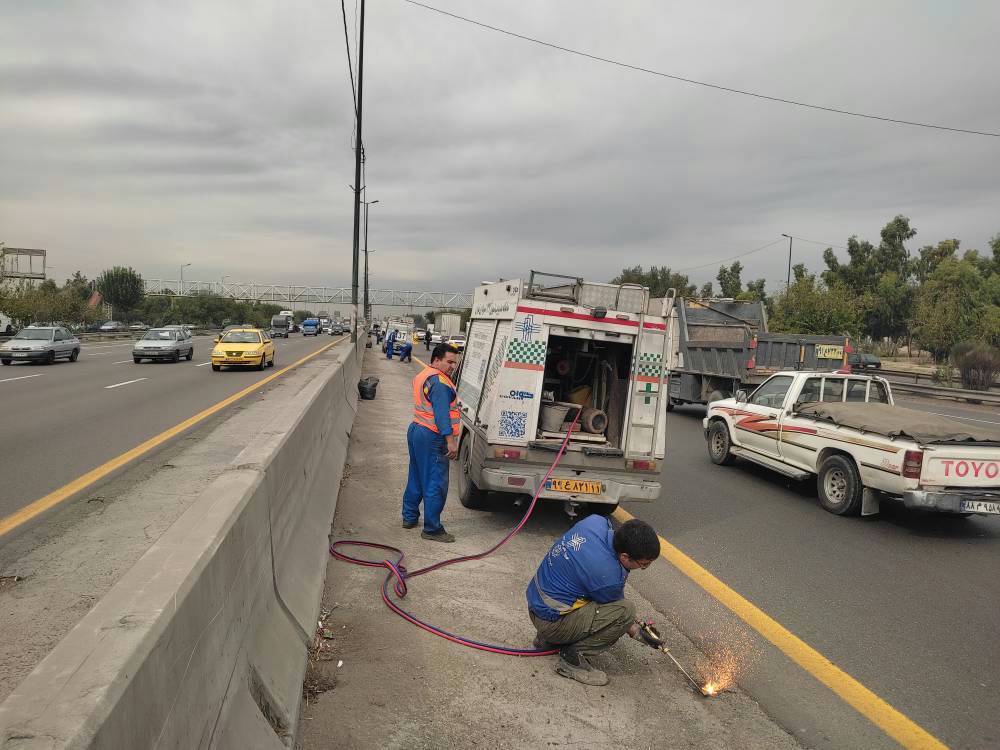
x: 423, y: 411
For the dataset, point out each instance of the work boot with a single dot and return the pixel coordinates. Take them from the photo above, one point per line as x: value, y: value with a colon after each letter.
x: 576, y: 667
x: 440, y: 536
x: 410, y: 524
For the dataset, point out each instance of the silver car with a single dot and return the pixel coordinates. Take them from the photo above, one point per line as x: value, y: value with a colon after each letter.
x: 164, y: 343
x: 40, y: 344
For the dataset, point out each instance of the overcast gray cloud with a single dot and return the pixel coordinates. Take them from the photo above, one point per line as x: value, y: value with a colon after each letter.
x: 219, y: 133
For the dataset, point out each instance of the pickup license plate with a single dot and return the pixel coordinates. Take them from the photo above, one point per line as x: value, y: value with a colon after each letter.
x: 979, y: 506
x: 578, y: 486
x: 19, y: 354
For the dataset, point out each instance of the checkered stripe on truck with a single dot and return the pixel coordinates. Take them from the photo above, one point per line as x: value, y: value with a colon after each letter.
x: 528, y: 355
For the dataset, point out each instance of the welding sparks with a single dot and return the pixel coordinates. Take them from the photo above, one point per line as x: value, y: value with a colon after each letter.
x: 728, y: 657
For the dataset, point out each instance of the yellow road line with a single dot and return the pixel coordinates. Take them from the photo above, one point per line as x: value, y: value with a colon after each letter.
x: 895, y: 724
x: 42, y: 504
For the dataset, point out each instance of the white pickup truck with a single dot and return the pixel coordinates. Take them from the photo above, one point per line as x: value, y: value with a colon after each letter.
x: 845, y: 430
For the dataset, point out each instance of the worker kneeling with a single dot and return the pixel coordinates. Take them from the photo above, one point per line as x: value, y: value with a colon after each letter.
x: 576, y: 600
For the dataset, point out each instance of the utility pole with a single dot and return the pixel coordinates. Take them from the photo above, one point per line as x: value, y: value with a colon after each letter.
x: 358, y: 154
x: 788, y: 279
x: 367, y: 307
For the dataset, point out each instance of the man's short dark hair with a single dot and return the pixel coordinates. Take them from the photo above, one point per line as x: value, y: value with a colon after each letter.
x: 637, y: 540
x: 440, y: 350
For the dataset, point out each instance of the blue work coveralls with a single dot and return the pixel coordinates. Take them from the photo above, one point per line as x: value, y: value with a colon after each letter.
x: 388, y: 344
x: 428, y: 479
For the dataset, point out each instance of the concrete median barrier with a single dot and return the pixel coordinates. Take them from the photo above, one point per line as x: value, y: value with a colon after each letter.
x: 203, y: 643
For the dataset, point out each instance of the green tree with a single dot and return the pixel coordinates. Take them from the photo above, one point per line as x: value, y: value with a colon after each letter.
x: 706, y: 290
x: 659, y: 279
x: 121, y: 286
x: 730, y: 283
x: 952, y: 305
x: 79, y: 286
x: 811, y: 307
x: 301, y: 315
x: 930, y: 257
x: 754, y: 291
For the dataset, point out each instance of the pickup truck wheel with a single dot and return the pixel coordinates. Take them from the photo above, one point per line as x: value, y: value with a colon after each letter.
x: 468, y: 494
x: 719, y: 444
x: 840, y: 487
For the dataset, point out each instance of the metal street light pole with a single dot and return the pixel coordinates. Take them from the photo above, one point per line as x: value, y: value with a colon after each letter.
x: 367, y: 310
x: 183, y: 266
x: 358, y: 148
x: 788, y: 279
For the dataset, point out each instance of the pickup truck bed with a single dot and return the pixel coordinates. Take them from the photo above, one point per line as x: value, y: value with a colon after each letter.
x: 845, y: 430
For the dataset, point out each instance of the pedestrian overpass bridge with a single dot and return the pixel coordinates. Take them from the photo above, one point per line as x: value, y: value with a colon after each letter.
x: 282, y: 294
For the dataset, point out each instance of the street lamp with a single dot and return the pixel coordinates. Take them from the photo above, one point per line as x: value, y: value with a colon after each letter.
x: 788, y: 280
x: 367, y: 307
x: 183, y: 266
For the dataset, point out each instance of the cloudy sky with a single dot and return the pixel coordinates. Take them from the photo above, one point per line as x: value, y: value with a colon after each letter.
x: 219, y: 133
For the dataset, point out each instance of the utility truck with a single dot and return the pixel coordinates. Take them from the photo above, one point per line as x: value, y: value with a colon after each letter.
x: 557, y: 355
x: 845, y: 430
x: 723, y: 346
x: 447, y: 324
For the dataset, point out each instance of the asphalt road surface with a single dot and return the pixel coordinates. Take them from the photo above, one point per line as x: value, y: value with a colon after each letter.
x: 905, y: 603
x: 60, y: 421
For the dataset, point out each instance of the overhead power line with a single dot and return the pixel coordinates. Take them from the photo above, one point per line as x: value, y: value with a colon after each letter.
x: 817, y: 242
x: 726, y: 260
x: 692, y: 81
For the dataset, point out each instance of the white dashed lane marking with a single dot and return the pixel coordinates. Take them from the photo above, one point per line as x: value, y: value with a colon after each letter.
x: 127, y: 382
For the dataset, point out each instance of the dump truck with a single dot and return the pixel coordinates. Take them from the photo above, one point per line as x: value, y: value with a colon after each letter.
x: 557, y: 356
x: 723, y: 346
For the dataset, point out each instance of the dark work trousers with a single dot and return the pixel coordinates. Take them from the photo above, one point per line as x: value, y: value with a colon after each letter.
x: 428, y: 479
x: 589, y: 629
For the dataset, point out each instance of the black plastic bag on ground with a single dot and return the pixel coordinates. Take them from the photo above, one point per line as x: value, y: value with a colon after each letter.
x: 366, y: 388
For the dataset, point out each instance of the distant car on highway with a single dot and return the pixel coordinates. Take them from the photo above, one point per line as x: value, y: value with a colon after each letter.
x: 457, y: 341
x: 170, y: 343
x: 437, y: 338
x: 310, y: 327
x: 40, y: 344
x: 138, y: 327
x: 243, y: 347
x: 111, y: 327
x: 860, y: 361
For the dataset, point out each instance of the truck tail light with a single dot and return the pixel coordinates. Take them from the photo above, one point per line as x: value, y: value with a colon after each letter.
x: 516, y: 481
x: 912, y: 462
x: 510, y: 453
x: 641, y: 464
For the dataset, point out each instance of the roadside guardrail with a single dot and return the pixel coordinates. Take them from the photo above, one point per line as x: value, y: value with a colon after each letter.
x: 960, y: 394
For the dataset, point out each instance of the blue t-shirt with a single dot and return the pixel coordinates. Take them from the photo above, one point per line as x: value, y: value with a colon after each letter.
x: 581, y: 567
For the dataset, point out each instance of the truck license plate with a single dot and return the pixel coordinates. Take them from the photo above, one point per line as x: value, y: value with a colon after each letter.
x: 979, y: 506
x: 829, y: 351
x: 578, y: 486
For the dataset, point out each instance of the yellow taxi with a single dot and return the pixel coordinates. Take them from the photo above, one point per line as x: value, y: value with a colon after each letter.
x: 243, y: 347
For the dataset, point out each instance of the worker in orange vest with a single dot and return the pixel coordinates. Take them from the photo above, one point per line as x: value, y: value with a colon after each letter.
x: 432, y: 439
